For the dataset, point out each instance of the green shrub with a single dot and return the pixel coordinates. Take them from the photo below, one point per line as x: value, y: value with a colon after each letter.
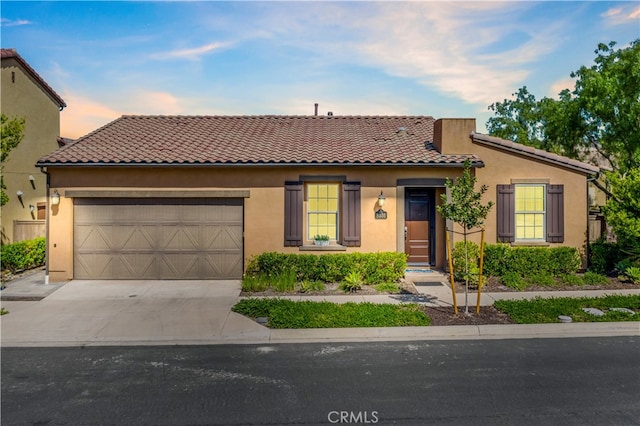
x: 375, y: 268
x: 23, y: 254
x: 632, y: 273
x: 572, y: 279
x: 513, y: 280
x: 307, y: 286
x: 352, y: 282
x: 603, y: 256
x: 556, y: 261
x: 541, y: 278
x: 254, y: 283
x: 591, y: 278
x: 387, y: 288
x: 284, y: 282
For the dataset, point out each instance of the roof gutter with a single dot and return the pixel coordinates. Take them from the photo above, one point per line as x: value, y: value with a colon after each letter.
x: 478, y: 164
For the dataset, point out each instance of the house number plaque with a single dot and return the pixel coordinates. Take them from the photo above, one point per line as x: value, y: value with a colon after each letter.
x: 381, y: 214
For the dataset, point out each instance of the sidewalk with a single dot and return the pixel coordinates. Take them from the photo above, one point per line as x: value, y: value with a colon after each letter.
x: 98, y: 313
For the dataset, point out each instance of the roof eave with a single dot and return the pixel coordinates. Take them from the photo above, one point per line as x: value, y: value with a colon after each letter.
x: 586, y: 169
x: 475, y: 163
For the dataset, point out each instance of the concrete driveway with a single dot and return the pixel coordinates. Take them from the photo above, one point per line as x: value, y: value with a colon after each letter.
x: 130, y: 312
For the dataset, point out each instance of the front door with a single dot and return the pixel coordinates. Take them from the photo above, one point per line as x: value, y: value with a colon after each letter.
x: 419, y: 205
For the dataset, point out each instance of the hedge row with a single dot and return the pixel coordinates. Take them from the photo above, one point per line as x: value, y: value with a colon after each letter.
x: 502, y: 258
x: 23, y: 254
x: 374, y: 268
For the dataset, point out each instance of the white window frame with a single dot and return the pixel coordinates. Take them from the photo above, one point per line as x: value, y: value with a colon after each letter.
x: 308, y: 212
x: 525, y: 212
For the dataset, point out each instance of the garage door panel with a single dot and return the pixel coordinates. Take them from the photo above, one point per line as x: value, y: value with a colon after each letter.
x: 159, y: 239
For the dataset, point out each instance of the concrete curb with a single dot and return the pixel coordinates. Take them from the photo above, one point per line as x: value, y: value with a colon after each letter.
x: 374, y: 334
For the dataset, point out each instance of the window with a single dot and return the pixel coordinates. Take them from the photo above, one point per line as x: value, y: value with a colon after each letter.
x: 42, y: 211
x: 322, y: 210
x: 331, y: 209
x: 530, y: 212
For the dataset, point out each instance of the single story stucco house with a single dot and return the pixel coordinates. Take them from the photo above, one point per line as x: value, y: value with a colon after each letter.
x: 195, y: 197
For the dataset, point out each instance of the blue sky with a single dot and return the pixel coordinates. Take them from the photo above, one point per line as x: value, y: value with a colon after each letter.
x: 445, y: 59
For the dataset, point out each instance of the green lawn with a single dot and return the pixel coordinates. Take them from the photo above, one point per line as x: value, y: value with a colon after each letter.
x: 284, y: 313
x: 539, y: 310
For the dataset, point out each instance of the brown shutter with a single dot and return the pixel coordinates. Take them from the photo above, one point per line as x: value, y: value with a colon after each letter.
x: 555, y: 213
x: 293, y: 196
x: 351, y: 214
x: 506, y: 207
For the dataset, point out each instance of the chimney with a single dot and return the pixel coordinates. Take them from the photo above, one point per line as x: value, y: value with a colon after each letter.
x: 316, y: 109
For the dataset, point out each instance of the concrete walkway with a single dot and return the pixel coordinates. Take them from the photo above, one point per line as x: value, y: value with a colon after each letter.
x: 99, y: 313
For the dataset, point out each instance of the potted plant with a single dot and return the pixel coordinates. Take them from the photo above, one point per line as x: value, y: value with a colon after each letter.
x: 321, y: 240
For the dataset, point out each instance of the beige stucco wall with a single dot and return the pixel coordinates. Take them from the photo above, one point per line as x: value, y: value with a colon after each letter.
x: 24, y: 98
x: 502, y: 167
x: 263, y: 210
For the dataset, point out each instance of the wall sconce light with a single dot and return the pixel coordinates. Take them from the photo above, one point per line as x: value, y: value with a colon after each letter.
x: 32, y: 208
x: 55, y: 198
x: 20, y: 194
x: 33, y: 181
x: 381, y: 214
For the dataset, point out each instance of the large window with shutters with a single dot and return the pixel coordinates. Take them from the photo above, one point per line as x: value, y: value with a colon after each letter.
x: 530, y: 213
x: 331, y: 208
x: 322, y: 210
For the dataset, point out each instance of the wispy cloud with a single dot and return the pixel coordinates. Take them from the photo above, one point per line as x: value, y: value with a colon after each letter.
x: 83, y: 115
x: 194, y: 53
x: 623, y: 14
x: 4, y: 22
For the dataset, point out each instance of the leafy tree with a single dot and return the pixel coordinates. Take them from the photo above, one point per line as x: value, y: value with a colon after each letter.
x: 623, y: 210
x: 601, y: 114
x: 597, y: 121
x: 12, y: 132
x: 466, y: 210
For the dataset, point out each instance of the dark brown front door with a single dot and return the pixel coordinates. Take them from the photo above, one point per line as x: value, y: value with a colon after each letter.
x: 417, y: 222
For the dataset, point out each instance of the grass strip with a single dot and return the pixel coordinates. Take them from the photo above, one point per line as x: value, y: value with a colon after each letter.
x: 543, y: 310
x: 283, y: 313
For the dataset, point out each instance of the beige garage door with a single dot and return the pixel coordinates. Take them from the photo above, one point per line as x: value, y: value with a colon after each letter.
x: 172, y: 238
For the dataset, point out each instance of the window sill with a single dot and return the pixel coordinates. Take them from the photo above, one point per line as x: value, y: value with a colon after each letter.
x: 530, y: 244
x: 330, y: 247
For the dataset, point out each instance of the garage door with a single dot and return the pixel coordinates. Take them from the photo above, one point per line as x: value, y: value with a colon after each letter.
x: 157, y: 238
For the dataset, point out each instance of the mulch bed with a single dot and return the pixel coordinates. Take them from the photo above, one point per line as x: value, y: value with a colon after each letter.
x: 493, y: 285
x: 445, y: 316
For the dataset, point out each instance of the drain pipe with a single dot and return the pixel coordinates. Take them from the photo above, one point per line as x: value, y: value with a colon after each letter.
x: 46, y: 225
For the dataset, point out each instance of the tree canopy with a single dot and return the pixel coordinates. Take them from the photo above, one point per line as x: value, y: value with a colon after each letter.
x: 597, y: 121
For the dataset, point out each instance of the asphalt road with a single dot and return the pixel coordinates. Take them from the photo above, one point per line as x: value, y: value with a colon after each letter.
x: 572, y: 381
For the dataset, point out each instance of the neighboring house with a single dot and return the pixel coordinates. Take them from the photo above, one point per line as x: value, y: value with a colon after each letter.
x: 26, y: 94
x: 176, y: 197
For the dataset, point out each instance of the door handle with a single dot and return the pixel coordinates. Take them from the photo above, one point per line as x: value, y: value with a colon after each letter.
x: 405, y: 233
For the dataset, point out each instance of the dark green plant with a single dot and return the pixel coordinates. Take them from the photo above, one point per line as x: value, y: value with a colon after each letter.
x: 12, y: 132
x: 541, y: 278
x: 591, y: 278
x: 572, y: 279
x: 513, y: 280
x: 387, y: 288
x: 603, y: 256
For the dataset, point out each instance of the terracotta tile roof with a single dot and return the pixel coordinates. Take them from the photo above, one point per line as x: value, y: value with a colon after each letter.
x: 539, y: 154
x: 149, y: 140
x: 13, y: 54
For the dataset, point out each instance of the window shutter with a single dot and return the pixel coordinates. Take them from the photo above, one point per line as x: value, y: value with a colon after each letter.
x: 555, y: 213
x: 351, y: 214
x: 293, y: 196
x: 506, y: 206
